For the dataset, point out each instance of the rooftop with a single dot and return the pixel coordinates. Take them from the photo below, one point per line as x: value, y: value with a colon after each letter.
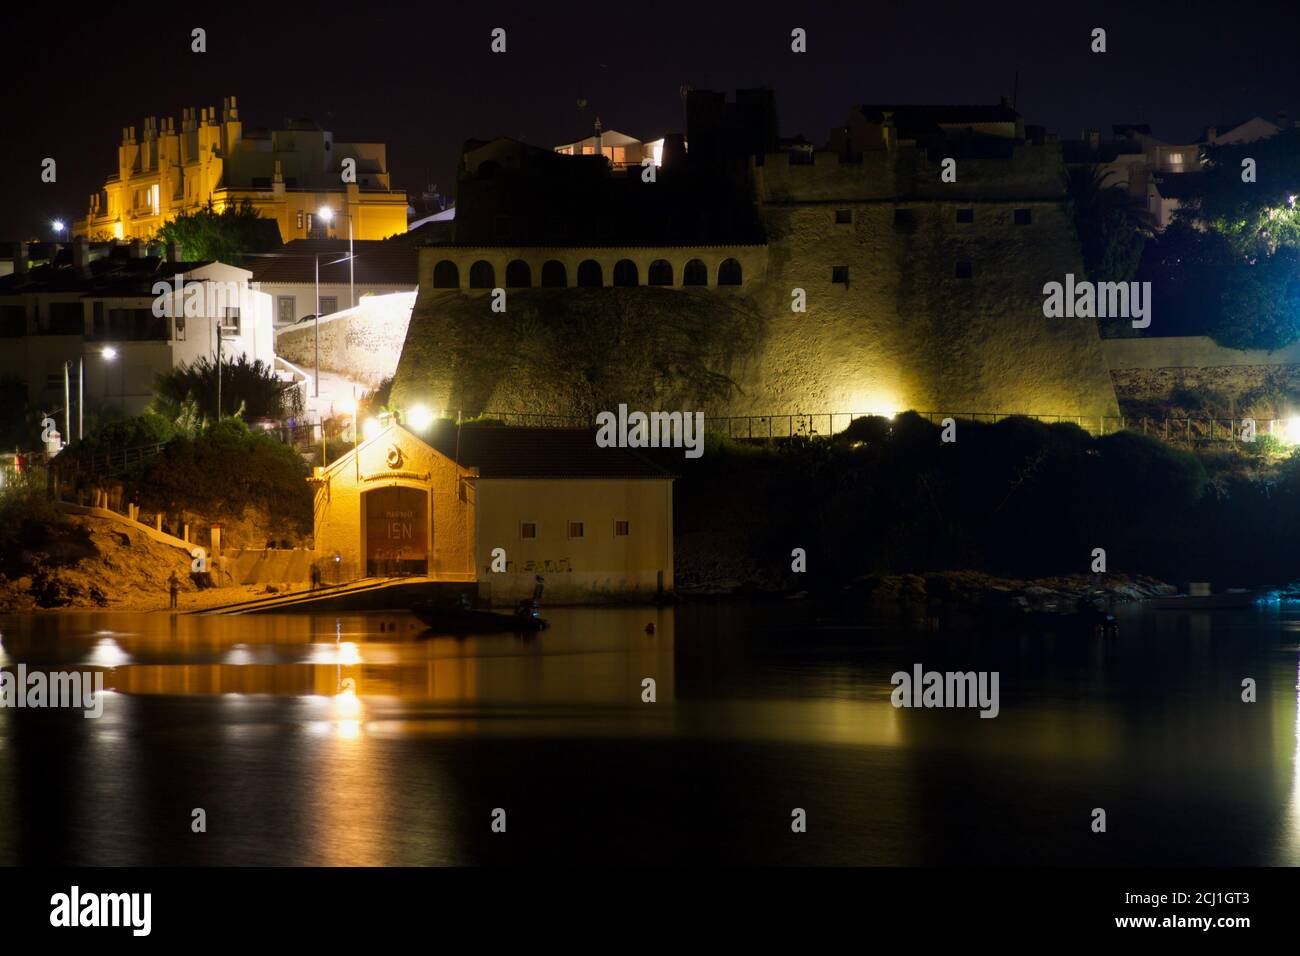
x: 499, y: 451
x: 378, y: 261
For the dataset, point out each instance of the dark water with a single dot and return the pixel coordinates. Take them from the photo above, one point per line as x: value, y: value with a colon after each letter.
x: 324, y: 740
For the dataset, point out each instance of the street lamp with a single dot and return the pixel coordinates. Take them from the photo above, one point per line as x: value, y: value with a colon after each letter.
x: 110, y: 354
x: 58, y: 226
x: 81, y: 398
x: 327, y: 214
x: 315, y: 322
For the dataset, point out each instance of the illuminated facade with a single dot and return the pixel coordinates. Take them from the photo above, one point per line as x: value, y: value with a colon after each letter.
x: 498, y: 506
x: 287, y: 175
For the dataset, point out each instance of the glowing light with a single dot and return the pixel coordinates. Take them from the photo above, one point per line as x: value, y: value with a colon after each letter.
x: 326, y: 214
x: 106, y: 653
x: 58, y: 225
x: 419, y: 417
x: 371, y: 428
x: 874, y: 403
x: 109, y: 353
x: 1290, y: 428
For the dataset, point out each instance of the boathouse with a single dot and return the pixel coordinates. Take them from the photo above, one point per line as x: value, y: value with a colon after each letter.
x: 498, y: 506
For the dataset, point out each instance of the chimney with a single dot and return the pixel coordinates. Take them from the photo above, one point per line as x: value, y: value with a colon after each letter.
x: 600, y: 139
x: 20, y: 258
x: 80, y: 254
x: 1283, y: 121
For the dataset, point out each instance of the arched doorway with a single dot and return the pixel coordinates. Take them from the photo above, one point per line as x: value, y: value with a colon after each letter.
x: 396, y: 531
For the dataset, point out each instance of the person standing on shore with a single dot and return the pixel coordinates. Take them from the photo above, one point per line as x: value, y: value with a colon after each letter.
x: 174, y: 586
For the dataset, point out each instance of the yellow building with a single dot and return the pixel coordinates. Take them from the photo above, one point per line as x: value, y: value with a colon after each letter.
x: 288, y: 175
x: 499, y: 506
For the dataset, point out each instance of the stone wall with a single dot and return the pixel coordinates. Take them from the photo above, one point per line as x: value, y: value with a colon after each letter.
x: 1155, y: 376
x: 899, y: 329
x: 363, y: 344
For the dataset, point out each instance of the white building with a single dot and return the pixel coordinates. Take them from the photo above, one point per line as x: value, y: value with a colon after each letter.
x: 299, y: 290
x: 126, y: 318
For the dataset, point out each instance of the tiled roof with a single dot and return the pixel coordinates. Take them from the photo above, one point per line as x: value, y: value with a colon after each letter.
x: 379, y: 261
x: 509, y: 452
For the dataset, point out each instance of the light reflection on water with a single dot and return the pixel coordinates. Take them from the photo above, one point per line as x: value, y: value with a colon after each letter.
x: 359, y: 740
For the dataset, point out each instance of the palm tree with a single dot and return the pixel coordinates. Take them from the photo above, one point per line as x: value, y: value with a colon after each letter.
x: 1112, y: 229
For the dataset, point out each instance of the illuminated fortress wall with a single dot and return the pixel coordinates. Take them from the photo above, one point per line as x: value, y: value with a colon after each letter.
x: 920, y: 294
x: 903, y: 330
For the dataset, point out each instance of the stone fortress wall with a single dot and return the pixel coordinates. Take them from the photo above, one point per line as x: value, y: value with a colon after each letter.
x: 920, y: 294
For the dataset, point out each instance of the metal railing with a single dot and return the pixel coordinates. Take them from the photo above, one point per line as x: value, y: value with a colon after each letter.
x: 1181, y: 430
x: 104, y: 463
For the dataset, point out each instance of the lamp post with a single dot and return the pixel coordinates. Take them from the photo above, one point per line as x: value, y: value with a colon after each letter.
x: 58, y: 226
x: 327, y: 214
x: 110, y: 354
x: 315, y: 322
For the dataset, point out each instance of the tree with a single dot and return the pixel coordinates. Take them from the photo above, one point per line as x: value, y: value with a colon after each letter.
x: 226, y: 236
x: 1260, y: 303
x: 1256, y: 218
x: 1112, y: 229
x: 248, y: 389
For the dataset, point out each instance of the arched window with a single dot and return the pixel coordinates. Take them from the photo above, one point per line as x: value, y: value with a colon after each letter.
x: 729, y: 272
x: 590, y: 275
x: 518, y: 275
x: 482, y: 275
x: 554, y: 275
x: 625, y: 273
x: 446, y: 275
x: 661, y: 273
x: 695, y: 273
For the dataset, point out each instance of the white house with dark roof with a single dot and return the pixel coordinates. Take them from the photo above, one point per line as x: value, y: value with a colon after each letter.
x: 289, y: 275
x: 101, y: 313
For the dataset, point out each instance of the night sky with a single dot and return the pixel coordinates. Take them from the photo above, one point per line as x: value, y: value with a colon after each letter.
x: 421, y: 77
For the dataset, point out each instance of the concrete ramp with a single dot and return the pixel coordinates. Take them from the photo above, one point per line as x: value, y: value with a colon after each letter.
x: 263, y: 566
x: 367, y: 594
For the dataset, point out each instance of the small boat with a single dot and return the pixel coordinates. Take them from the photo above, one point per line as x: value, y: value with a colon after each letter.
x: 461, y: 618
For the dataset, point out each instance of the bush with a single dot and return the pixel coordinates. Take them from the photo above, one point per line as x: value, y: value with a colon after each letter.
x: 224, y: 470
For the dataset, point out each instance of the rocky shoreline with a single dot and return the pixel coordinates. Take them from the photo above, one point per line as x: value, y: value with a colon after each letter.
x: 976, y: 590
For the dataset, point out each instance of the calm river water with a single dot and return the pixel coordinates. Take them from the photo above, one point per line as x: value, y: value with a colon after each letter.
x: 358, y: 740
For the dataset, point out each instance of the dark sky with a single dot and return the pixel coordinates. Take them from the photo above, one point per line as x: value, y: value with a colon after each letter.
x: 421, y: 78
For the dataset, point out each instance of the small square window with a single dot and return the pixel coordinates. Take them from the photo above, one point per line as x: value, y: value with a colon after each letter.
x: 620, y: 529
x: 965, y: 215
x: 575, y: 529
x: 904, y: 218
x: 1024, y: 217
x: 528, y: 530
x: 963, y: 269
x: 843, y: 217
x: 180, y: 328
x: 840, y: 274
